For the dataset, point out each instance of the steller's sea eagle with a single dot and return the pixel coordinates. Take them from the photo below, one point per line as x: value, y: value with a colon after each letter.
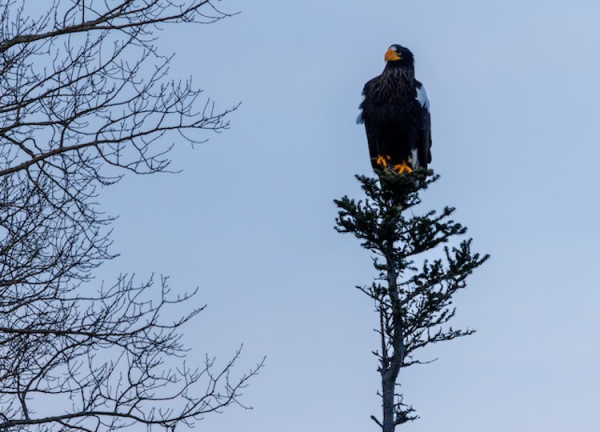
x: 395, y: 111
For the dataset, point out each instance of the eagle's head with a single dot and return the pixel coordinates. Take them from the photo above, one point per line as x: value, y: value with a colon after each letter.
x: 399, y: 56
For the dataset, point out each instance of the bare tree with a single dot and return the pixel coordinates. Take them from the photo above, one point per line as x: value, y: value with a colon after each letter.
x: 412, y: 295
x: 85, y: 96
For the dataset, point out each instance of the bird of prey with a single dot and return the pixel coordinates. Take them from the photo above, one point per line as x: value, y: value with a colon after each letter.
x: 395, y: 112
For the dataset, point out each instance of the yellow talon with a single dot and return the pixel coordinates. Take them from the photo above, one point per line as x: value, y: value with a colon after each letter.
x: 400, y: 168
x: 383, y: 160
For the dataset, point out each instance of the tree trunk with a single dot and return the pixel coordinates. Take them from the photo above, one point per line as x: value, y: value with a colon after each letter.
x: 391, y: 364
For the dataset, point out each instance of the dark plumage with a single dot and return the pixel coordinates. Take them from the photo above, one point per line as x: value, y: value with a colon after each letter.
x: 395, y: 112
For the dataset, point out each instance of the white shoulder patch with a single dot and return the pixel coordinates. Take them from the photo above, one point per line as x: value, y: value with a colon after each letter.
x: 422, y: 97
x: 359, y: 119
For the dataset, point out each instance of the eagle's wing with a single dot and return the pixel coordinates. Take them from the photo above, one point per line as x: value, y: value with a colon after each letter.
x: 373, y: 133
x: 424, y: 140
x: 360, y: 119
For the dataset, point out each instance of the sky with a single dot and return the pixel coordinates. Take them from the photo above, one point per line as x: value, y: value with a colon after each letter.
x: 514, y: 93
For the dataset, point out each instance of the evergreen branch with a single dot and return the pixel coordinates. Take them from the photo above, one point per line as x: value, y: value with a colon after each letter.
x: 414, y: 302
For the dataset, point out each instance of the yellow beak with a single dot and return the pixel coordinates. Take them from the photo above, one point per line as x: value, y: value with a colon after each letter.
x: 391, y: 55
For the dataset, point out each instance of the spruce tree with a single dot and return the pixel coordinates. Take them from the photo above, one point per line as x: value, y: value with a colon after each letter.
x: 412, y: 295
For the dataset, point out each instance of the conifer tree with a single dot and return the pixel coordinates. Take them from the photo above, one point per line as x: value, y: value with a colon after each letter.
x: 412, y: 295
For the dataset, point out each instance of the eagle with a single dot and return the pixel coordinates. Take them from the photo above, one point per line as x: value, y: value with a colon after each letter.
x: 395, y: 112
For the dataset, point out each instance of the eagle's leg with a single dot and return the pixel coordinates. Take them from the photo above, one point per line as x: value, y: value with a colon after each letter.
x: 383, y: 160
x: 400, y: 168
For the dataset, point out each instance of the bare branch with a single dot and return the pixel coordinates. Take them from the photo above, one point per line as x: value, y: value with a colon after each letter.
x: 85, y: 96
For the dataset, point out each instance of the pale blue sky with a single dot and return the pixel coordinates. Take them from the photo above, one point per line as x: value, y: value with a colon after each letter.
x: 514, y: 88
